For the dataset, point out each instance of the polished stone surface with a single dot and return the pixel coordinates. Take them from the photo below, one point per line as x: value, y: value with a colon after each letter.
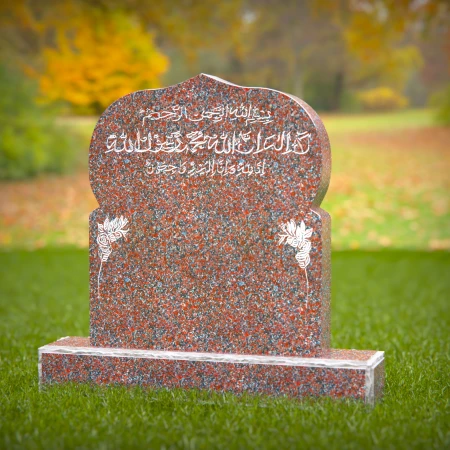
x: 207, y: 175
x: 209, y: 252
x: 339, y: 374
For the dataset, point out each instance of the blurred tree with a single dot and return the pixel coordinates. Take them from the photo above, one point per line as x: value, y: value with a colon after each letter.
x: 381, y: 38
x: 90, y: 52
x: 187, y: 25
x: 435, y: 48
x: 94, y: 58
x: 440, y: 101
x: 322, y: 50
x: 98, y: 60
x: 295, y: 50
x: 31, y: 142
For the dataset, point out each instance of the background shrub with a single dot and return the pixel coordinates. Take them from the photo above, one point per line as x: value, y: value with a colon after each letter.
x: 441, y: 102
x: 350, y: 102
x: 30, y: 140
x: 382, y: 99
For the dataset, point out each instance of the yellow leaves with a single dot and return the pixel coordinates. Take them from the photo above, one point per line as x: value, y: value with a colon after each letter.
x: 98, y: 59
x: 365, y: 37
x: 16, y: 13
x: 375, y: 39
x: 382, y: 99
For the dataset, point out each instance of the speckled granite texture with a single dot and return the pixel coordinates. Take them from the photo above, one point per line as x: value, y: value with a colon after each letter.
x: 341, y: 374
x: 201, y: 268
x: 209, y: 238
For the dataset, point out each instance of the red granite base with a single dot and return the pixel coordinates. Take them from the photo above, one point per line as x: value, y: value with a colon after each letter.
x: 355, y: 374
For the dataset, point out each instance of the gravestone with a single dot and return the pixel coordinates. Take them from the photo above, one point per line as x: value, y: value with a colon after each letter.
x: 209, y: 252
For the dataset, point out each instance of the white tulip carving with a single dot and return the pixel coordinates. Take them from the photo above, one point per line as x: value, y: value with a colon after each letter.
x: 297, y: 236
x: 108, y: 232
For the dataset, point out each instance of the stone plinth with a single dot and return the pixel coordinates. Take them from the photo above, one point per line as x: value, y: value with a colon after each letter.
x: 354, y: 374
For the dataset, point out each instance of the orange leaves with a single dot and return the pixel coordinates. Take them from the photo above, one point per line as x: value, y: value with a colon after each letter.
x: 98, y: 59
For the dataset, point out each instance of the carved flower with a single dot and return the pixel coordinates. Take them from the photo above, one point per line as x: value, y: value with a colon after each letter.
x: 303, y: 255
x: 297, y: 236
x: 294, y: 242
x: 103, y: 240
x: 109, y: 232
x: 294, y: 235
x: 104, y: 246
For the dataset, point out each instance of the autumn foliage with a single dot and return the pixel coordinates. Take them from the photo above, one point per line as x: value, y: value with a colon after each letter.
x: 382, y: 98
x: 82, y: 53
x: 98, y: 60
x: 88, y: 53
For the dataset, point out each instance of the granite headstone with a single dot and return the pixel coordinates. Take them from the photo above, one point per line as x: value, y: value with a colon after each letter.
x: 209, y: 252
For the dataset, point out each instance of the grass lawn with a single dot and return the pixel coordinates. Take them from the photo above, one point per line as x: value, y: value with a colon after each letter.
x: 395, y: 120
x: 390, y: 300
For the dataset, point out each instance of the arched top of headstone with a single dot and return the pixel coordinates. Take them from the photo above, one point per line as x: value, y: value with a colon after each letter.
x: 206, y: 134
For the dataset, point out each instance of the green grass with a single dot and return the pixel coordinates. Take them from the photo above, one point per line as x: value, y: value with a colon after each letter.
x: 80, y: 124
x: 392, y: 301
x: 386, y: 121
